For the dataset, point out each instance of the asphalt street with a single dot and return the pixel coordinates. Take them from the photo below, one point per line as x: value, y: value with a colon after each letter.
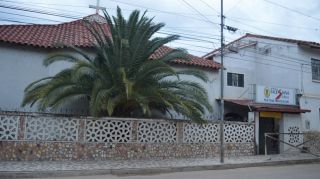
x: 307, y: 171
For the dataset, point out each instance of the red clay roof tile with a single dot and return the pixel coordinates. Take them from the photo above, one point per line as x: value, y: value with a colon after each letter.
x: 76, y: 34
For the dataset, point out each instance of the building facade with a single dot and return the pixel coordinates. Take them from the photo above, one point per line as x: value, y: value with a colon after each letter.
x: 273, y: 82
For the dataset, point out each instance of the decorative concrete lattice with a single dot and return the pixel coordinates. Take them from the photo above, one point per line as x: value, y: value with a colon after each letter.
x: 109, y: 131
x: 157, y: 132
x: 294, y: 138
x: 9, y: 127
x: 51, y: 129
x: 197, y: 133
x: 237, y: 133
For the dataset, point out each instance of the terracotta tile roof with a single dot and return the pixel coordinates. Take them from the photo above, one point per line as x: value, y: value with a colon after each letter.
x: 267, y: 107
x: 76, y: 34
x: 299, y: 42
x: 194, y: 60
x: 49, y: 36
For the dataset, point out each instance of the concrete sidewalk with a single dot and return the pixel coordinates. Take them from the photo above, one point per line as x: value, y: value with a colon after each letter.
x: 73, y: 168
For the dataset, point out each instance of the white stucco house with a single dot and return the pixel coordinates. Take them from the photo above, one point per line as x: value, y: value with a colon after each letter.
x: 274, y: 82
x: 24, y: 47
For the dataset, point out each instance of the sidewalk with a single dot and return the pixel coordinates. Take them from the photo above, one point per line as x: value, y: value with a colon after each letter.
x: 71, y: 168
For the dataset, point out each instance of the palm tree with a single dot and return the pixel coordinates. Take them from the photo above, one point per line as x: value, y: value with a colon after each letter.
x: 122, y: 80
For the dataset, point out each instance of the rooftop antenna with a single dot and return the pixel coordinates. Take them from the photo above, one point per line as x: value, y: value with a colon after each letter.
x: 97, y: 7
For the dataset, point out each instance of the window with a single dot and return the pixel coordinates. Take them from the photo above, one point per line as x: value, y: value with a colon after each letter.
x: 307, y: 124
x: 234, y: 79
x: 315, y: 64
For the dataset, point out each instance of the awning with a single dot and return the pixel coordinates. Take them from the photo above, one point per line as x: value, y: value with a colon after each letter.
x: 260, y: 107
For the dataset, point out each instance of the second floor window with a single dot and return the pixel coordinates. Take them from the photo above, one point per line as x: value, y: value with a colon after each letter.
x: 315, y: 65
x: 235, y: 79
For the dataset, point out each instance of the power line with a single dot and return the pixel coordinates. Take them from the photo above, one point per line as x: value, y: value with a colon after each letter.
x: 273, y: 23
x: 198, y: 12
x: 188, y: 15
x: 235, y: 5
x: 187, y: 37
x: 29, y: 16
x: 160, y: 11
x: 270, y: 43
x: 289, y: 59
x: 284, y: 58
x: 188, y: 34
x: 32, y: 3
x: 276, y: 57
x: 292, y: 10
x: 262, y: 30
x: 42, y: 6
x: 241, y: 59
x: 208, y: 5
x: 192, y: 45
x: 68, y: 16
x: 230, y: 17
x: 38, y: 11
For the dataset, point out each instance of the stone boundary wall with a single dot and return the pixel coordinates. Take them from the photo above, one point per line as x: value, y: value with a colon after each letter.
x: 312, y: 140
x: 37, y: 137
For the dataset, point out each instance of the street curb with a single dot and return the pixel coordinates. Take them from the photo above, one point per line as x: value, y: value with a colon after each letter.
x: 146, y: 171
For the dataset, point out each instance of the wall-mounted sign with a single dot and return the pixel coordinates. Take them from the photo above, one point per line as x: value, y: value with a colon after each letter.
x: 274, y: 95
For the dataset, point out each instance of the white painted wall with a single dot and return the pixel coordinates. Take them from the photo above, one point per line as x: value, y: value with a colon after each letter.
x: 280, y: 68
x: 19, y: 66
x: 212, y: 87
x: 288, y: 121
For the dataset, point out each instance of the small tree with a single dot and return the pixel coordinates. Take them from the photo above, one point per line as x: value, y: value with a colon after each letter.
x: 121, y: 80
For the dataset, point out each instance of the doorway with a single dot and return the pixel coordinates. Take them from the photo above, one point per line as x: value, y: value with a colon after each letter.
x: 268, y: 125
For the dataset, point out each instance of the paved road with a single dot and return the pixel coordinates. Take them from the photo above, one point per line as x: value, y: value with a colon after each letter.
x: 310, y: 171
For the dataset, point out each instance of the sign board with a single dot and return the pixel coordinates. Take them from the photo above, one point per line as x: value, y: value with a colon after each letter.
x: 274, y: 115
x: 275, y: 95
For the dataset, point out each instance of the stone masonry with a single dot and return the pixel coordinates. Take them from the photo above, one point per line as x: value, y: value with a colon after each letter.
x: 37, y: 137
x: 312, y: 140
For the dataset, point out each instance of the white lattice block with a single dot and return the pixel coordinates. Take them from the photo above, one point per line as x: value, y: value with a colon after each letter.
x: 51, y: 129
x: 200, y: 133
x: 157, y: 132
x: 110, y: 131
x: 247, y: 133
x: 294, y: 137
x: 9, y: 127
x: 238, y: 133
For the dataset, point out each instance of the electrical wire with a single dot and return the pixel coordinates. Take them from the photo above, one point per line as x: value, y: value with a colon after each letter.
x: 198, y: 12
x: 29, y: 16
x: 38, y: 11
x: 208, y: 5
x: 228, y: 56
x: 197, y: 39
x: 292, y: 10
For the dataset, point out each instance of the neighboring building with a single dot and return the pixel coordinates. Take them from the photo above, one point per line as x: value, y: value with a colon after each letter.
x: 274, y: 82
x: 24, y: 47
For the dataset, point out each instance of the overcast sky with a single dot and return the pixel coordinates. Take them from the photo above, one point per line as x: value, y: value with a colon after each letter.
x: 298, y: 19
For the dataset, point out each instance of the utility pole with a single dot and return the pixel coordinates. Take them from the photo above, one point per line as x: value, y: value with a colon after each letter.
x: 221, y: 87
